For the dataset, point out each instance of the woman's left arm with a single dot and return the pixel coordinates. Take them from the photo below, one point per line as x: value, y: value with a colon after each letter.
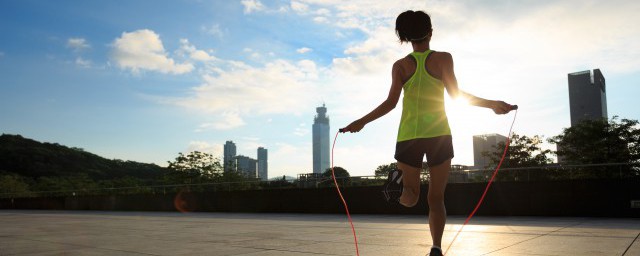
x: 451, y: 83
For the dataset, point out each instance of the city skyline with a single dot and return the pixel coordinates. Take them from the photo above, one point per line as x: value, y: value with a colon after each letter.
x: 252, y: 167
x: 146, y: 80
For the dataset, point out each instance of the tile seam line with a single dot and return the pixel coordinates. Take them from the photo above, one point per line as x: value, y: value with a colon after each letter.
x: 631, y: 244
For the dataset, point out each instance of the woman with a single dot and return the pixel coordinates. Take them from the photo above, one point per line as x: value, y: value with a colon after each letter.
x: 424, y: 129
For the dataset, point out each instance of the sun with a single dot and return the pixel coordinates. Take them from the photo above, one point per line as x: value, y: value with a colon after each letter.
x: 457, y: 106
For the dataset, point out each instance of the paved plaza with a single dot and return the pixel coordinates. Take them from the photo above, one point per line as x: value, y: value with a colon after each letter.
x: 164, y: 233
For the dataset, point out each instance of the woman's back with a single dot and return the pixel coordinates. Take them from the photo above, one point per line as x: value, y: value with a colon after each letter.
x: 423, y: 112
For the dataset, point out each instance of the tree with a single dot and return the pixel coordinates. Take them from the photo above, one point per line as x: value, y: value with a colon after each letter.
x: 383, y: 170
x: 13, y: 185
x: 342, y: 176
x: 601, y: 141
x: 523, y: 152
x: 80, y: 184
x: 194, y: 167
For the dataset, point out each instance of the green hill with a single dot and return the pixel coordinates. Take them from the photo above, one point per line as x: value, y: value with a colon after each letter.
x: 32, y: 159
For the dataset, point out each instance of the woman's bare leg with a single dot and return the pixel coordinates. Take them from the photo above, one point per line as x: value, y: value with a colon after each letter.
x: 437, y: 212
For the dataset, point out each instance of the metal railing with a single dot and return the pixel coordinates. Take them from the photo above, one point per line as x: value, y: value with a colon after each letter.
x: 520, y: 174
x: 558, y: 172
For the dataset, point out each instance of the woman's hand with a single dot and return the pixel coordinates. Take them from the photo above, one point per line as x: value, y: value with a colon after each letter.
x: 355, y: 126
x: 501, y: 107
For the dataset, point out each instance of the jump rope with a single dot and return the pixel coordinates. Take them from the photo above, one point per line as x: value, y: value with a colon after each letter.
x: 504, y: 154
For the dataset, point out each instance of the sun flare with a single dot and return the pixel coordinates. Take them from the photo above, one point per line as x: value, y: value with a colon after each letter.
x: 457, y: 106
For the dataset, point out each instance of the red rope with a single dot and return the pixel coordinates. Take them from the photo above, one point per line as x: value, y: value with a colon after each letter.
x: 504, y: 154
x: 353, y: 230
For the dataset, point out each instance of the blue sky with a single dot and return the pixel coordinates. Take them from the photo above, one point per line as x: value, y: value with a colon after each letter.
x: 144, y: 80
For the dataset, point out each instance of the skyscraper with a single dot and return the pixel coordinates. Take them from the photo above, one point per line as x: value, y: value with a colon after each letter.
x: 321, y: 160
x: 485, y: 143
x: 262, y: 164
x: 246, y: 165
x: 587, y: 96
x: 229, y: 156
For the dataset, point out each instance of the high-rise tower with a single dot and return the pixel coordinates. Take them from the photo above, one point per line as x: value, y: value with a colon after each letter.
x: 485, y: 143
x: 587, y: 96
x: 321, y: 160
x: 262, y: 164
x: 229, y: 156
x: 247, y: 166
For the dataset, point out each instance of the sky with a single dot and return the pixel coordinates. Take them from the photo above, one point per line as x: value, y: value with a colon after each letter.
x: 145, y: 80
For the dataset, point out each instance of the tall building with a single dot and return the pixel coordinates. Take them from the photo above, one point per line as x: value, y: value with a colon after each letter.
x: 263, y: 171
x: 229, y: 156
x: 321, y: 160
x: 587, y: 96
x: 485, y: 143
x: 247, y: 166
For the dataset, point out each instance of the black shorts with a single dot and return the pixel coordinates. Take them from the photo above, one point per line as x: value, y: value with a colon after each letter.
x: 438, y: 150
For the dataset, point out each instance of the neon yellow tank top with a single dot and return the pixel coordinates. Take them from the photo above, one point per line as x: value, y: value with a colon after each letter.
x: 423, y: 113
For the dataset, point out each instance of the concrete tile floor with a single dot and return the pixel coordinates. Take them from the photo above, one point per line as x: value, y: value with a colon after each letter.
x: 161, y: 233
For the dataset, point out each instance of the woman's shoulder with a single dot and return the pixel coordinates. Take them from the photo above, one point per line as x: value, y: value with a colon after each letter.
x: 404, y: 62
x: 441, y: 58
x: 441, y: 54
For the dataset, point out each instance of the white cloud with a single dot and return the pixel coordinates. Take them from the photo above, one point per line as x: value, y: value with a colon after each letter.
x: 301, y: 130
x: 323, y: 12
x: 248, y: 146
x: 281, y: 162
x: 350, y: 14
x: 278, y: 87
x: 143, y: 50
x: 214, y: 30
x: 299, y: 7
x: 304, y: 50
x: 78, y: 44
x: 226, y: 121
x: 83, y: 63
x: 252, y: 6
x: 321, y: 19
x: 190, y: 50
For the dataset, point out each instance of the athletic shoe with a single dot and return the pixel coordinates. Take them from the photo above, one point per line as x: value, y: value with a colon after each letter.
x: 435, y: 252
x: 392, y: 189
